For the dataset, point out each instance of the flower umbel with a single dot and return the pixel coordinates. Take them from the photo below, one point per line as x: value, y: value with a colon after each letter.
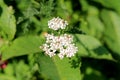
x: 60, y: 45
x: 57, y: 23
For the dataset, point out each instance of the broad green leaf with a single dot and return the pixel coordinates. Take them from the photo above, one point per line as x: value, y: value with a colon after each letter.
x: 22, y: 46
x: 94, y: 26
x: 113, y: 4
x: 91, y: 47
x: 56, y: 69
x: 7, y: 21
x: 6, y: 77
x: 112, y: 30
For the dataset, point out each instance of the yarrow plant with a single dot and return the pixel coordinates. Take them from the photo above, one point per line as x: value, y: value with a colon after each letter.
x: 61, y: 45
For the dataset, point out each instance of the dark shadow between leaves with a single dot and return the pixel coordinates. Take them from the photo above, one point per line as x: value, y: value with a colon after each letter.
x: 75, y: 63
x: 114, y: 54
x: 93, y: 76
x: 108, y: 69
x: 99, y: 5
x: 1, y: 11
x: 76, y: 5
x: 75, y: 28
x: 100, y: 50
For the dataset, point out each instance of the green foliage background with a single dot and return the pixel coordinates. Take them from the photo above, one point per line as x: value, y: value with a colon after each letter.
x: 95, y: 25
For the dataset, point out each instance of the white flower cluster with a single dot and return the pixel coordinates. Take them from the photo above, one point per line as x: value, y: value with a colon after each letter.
x: 57, y: 23
x: 60, y: 45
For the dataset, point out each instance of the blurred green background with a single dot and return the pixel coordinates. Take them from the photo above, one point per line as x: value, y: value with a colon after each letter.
x: 95, y: 24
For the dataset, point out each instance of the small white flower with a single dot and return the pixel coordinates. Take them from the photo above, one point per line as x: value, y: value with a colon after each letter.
x: 61, y: 55
x: 71, y: 50
x: 49, y: 38
x: 60, y: 45
x: 57, y: 23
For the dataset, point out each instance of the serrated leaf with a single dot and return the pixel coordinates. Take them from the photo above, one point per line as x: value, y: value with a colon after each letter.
x: 22, y: 46
x: 112, y: 30
x: 91, y: 47
x: 58, y: 69
x: 7, y: 21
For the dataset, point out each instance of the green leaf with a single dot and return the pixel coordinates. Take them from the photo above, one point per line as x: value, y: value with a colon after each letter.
x: 6, y: 77
x: 9, y: 70
x: 25, y: 73
x: 13, y: 71
x: 84, y: 5
x: 56, y: 69
x: 22, y: 46
x: 113, y: 4
x: 22, y: 5
x: 91, y: 47
x: 64, y: 9
x: 112, y: 30
x: 7, y: 21
x: 94, y: 27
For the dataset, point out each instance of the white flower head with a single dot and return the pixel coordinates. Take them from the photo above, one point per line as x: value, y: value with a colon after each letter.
x: 57, y: 23
x: 60, y: 45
